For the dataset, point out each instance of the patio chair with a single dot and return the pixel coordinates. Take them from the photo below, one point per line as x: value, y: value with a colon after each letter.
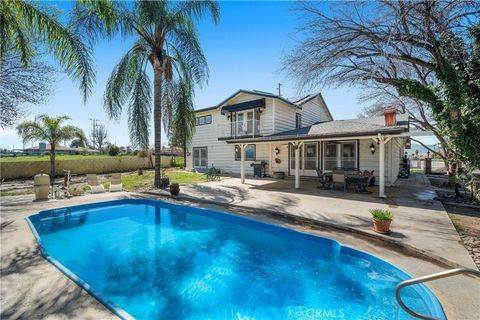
x: 324, y: 182
x: 95, y: 187
x: 370, y: 177
x: 338, y: 177
x: 116, y: 183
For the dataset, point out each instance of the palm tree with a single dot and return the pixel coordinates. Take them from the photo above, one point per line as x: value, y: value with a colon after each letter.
x: 50, y: 129
x: 24, y: 24
x: 167, y: 40
x: 184, y: 120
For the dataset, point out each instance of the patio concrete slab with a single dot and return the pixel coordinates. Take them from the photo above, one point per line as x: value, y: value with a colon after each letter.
x: 419, y: 221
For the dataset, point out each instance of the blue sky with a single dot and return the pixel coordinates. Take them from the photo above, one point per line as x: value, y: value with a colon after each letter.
x: 243, y: 51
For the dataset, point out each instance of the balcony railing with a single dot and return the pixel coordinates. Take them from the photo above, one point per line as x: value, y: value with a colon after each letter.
x: 240, y: 129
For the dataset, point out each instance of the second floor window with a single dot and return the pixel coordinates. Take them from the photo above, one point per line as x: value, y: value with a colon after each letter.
x: 204, y: 120
x: 298, y: 120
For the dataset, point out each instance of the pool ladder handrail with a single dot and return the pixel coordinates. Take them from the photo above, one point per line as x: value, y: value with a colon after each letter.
x: 430, y: 277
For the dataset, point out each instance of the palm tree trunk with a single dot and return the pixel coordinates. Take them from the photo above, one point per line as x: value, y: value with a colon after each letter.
x: 52, y: 164
x: 157, y: 123
x: 184, y: 153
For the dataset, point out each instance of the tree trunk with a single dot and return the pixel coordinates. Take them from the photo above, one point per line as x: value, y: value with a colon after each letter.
x: 452, y: 176
x: 184, y: 154
x: 157, y: 121
x: 52, y: 164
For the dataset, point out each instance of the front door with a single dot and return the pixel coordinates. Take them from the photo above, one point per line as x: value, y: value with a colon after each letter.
x: 308, y: 159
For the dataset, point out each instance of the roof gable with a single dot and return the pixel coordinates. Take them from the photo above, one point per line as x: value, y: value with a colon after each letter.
x: 321, y: 101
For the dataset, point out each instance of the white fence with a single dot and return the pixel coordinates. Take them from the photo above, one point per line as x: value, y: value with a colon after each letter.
x: 420, y: 164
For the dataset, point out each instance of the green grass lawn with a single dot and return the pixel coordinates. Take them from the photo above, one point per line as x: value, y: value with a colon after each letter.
x: 17, y: 192
x: 134, y: 181
x: 58, y: 157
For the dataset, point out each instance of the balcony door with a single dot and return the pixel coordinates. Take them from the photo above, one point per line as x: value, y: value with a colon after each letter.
x: 246, y: 123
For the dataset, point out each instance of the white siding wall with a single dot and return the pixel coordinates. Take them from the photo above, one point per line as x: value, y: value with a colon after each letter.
x: 313, y: 111
x: 393, y: 154
x: 266, y: 118
x: 284, y: 116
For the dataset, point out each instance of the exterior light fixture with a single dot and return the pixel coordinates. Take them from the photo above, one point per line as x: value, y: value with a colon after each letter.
x: 408, y: 144
x: 277, y: 150
x: 372, y: 148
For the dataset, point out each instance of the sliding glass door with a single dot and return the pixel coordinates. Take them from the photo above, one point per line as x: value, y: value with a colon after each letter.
x: 340, y: 154
x: 200, y: 157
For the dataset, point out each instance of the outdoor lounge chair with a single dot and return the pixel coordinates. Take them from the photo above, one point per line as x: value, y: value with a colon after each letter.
x: 95, y: 187
x: 116, y: 182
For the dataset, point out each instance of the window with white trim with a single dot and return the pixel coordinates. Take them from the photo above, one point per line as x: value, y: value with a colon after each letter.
x: 250, y: 152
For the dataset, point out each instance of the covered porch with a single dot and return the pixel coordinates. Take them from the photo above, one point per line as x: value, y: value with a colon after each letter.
x: 302, y: 159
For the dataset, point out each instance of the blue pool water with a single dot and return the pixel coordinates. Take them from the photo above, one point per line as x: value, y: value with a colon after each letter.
x: 153, y: 260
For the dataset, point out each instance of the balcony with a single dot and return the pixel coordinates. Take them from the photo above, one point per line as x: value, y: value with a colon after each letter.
x: 240, y: 129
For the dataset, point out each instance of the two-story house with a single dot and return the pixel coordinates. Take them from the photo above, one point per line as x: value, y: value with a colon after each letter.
x: 294, y: 137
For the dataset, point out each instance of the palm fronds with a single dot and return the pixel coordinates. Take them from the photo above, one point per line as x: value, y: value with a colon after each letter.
x: 22, y: 22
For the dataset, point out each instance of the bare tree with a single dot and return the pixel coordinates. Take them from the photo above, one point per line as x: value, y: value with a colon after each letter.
x: 420, y: 115
x: 379, y: 45
x: 22, y: 86
x: 99, y: 137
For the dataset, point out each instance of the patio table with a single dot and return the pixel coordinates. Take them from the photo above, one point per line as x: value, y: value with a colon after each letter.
x: 359, y: 180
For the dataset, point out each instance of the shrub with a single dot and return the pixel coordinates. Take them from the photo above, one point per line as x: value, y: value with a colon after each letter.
x: 381, y: 214
x: 174, y: 188
x: 143, y: 153
x: 113, y: 150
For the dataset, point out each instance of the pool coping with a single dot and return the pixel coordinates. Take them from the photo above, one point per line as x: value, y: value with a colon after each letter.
x: 434, y: 305
x: 321, y: 223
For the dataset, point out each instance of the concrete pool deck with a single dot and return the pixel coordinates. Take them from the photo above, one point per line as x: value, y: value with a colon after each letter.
x: 33, y: 288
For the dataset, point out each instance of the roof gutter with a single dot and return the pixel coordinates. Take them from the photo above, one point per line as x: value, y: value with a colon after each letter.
x: 398, y: 131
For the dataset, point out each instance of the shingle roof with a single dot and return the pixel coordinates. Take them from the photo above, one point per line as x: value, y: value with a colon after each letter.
x: 254, y: 92
x: 341, y: 128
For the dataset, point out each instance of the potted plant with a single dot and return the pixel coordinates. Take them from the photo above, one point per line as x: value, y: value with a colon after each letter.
x: 381, y: 220
x: 174, y: 188
x: 164, y: 180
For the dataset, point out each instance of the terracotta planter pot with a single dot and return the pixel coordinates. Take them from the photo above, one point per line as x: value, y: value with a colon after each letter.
x: 381, y: 226
x: 174, y: 189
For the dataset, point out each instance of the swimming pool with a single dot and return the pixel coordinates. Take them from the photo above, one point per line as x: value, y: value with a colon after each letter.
x: 148, y: 259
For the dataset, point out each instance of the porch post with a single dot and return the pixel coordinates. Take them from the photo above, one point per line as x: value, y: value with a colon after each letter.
x: 297, y: 161
x: 270, y: 169
x: 242, y: 163
x: 381, y: 186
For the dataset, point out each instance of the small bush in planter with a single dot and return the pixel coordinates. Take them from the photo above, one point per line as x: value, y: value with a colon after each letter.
x: 174, y: 188
x: 381, y: 220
